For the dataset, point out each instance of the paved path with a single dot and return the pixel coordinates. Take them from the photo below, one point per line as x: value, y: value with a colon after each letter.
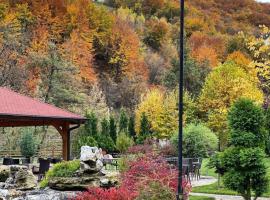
x: 208, y: 180
x: 224, y: 197
x: 204, y: 180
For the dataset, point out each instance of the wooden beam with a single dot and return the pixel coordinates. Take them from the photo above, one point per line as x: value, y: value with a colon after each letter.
x: 64, y: 132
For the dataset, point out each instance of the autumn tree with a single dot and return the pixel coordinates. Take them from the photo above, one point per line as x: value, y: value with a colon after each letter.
x: 260, y: 50
x: 223, y: 86
x: 161, y: 111
x: 57, y: 83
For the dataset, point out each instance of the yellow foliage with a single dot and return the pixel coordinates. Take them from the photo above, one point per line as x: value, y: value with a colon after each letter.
x: 244, y: 62
x: 161, y: 110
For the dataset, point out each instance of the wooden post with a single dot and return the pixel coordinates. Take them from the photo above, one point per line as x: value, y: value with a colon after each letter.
x: 64, y: 131
x: 65, y: 138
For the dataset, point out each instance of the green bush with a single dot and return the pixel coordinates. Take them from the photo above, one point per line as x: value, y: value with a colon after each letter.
x: 105, y: 142
x: 198, y: 141
x: 242, y: 162
x: 62, y: 169
x: 156, y: 191
x: 123, y: 142
x: 28, y: 145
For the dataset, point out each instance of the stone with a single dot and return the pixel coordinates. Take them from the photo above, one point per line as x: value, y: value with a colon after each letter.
x: 74, y: 183
x: 4, y: 173
x: 99, y: 165
x: 25, y: 180
x: 90, y: 154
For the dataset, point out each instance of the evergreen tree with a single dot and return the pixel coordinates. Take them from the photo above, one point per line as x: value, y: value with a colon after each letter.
x: 245, y: 171
x: 113, y: 129
x: 105, y: 127
x: 131, y: 127
x: 91, y: 124
x: 145, y: 125
x: 123, y: 122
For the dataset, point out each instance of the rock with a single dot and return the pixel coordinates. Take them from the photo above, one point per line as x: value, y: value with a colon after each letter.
x: 20, y: 178
x: 90, y: 154
x: 99, y: 165
x: 74, y: 183
x: 4, y: 173
x: 25, y: 180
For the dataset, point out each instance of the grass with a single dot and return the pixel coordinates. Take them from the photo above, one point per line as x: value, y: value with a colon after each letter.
x: 214, y: 189
x: 200, y: 198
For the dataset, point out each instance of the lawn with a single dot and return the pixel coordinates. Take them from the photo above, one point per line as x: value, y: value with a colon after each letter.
x: 214, y: 189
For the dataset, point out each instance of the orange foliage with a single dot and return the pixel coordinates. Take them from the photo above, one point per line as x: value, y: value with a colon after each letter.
x: 79, y: 51
x: 205, y: 53
x: 129, y: 42
x: 203, y: 46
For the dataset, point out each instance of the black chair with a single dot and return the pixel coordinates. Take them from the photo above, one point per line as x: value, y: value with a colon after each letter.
x: 16, y: 161
x: 56, y: 160
x: 8, y: 161
x: 44, y: 166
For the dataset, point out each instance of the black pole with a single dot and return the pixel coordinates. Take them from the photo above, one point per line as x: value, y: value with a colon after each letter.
x: 181, y: 105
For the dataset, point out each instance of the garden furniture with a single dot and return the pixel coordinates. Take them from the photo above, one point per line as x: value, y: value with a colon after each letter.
x: 44, y: 166
x: 8, y: 161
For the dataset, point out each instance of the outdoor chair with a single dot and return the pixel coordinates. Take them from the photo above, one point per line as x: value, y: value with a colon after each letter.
x: 55, y: 160
x: 197, y: 163
x: 8, y: 161
x: 16, y: 161
x: 44, y: 166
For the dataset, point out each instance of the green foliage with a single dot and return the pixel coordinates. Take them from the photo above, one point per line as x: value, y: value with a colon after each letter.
x: 63, y: 169
x: 28, y: 145
x: 194, y: 74
x: 113, y: 128
x: 105, y: 142
x: 123, y: 142
x: 85, y: 140
x: 123, y: 121
x: 155, y: 191
x: 145, y: 130
x: 91, y: 124
x: 198, y: 141
x: 241, y: 111
x: 267, y: 126
x: 105, y: 127
x: 243, y: 163
x: 131, y: 127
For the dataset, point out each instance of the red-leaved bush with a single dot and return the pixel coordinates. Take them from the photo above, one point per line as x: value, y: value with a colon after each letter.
x: 142, y: 171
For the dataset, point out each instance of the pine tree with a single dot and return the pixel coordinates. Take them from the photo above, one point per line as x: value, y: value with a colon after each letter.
x: 113, y: 129
x: 131, y: 127
x: 123, y: 122
x: 144, y: 126
x: 105, y: 127
x: 91, y: 124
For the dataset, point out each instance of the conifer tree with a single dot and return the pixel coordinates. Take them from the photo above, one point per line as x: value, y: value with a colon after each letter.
x: 123, y: 122
x: 131, y: 127
x: 113, y: 128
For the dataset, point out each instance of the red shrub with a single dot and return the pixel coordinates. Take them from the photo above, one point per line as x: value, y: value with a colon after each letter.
x: 145, y: 169
x: 109, y: 194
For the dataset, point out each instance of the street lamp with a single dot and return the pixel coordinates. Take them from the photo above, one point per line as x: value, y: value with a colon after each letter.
x: 181, y: 105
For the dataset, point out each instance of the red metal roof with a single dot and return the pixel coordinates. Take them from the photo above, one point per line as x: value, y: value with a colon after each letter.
x: 15, y: 104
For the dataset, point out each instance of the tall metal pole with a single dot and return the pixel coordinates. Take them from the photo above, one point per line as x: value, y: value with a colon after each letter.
x: 181, y: 105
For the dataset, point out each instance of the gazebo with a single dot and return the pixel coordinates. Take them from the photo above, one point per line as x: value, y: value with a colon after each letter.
x: 17, y: 110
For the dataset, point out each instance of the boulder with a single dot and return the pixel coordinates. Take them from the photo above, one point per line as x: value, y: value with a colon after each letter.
x: 4, y: 173
x: 25, y: 180
x: 20, y: 178
x: 90, y: 154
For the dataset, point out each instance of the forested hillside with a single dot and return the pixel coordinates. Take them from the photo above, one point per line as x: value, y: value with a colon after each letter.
x: 84, y: 55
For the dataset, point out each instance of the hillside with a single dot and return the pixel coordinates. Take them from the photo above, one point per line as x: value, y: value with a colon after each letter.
x: 81, y: 55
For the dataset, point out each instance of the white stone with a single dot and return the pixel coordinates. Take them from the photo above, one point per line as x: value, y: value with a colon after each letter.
x: 99, y: 164
x: 90, y: 153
